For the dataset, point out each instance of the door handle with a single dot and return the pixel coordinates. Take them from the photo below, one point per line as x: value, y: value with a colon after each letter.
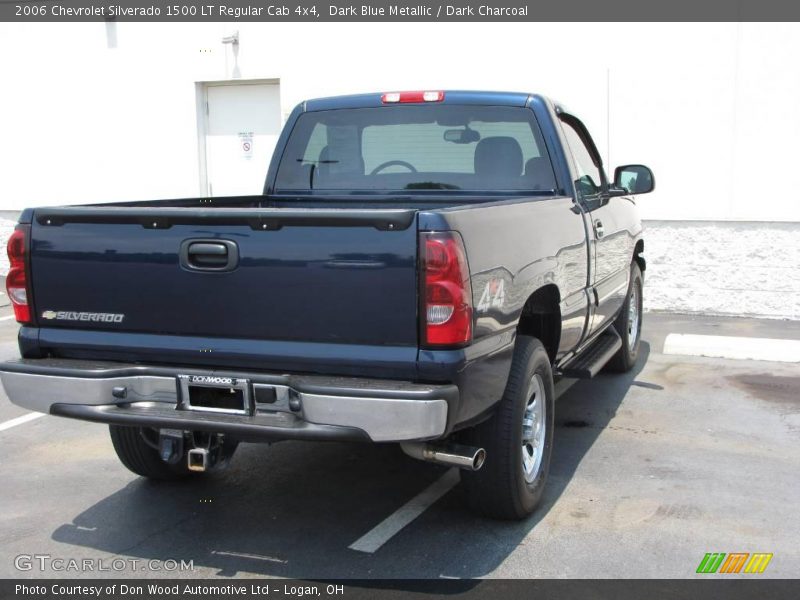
x: 598, y: 228
x: 209, y: 255
x: 204, y: 255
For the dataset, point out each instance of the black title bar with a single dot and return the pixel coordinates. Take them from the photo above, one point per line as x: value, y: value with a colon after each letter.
x: 385, y: 10
x: 734, y: 588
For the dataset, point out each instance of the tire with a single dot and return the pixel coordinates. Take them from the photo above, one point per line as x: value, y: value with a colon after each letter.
x: 141, y: 458
x: 501, y: 488
x: 629, y: 325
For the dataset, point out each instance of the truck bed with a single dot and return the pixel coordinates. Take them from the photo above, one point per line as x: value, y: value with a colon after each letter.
x: 326, y: 286
x: 305, y: 291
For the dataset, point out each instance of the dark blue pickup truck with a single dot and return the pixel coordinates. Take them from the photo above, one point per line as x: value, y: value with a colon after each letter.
x: 418, y: 269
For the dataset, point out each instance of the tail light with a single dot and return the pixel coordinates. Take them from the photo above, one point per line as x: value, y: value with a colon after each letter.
x: 446, y: 294
x: 17, y: 278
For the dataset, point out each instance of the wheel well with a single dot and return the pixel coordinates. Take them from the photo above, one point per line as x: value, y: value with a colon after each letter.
x: 637, y: 255
x: 541, y: 318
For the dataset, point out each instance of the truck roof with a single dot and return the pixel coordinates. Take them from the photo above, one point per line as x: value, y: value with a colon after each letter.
x: 450, y: 97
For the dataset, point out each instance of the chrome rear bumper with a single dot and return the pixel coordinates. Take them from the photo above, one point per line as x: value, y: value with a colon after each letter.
x: 299, y: 407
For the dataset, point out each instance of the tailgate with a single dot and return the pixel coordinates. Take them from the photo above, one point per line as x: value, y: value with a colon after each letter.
x: 314, y: 275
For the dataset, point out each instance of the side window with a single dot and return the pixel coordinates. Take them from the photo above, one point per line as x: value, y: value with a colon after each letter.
x: 590, y: 181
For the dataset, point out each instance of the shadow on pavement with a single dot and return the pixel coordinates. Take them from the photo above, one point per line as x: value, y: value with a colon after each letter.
x: 292, y: 509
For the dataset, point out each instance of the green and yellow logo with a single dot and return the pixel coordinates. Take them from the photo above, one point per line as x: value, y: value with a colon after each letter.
x: 735, y: 562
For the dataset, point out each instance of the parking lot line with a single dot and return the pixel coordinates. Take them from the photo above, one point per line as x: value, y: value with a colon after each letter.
x: 6, y: 318
x: 721, y: 346
x: 251, y: 556
x: 391, y: 525
x: 19, y: 420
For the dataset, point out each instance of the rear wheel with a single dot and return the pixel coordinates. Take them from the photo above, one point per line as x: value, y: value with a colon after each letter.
x: 629, y: 325
x: 518, y: 439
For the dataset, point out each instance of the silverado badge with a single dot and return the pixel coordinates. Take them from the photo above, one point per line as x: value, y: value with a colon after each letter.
x: 68, y: 315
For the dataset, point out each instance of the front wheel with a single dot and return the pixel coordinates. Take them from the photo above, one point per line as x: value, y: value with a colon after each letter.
x: 518, y: 439
x: 629, y: 325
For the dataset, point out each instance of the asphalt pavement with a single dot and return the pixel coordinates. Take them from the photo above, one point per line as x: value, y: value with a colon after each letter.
x: 651, y: 470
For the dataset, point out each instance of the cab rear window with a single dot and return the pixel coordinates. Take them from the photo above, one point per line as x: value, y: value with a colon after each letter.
x: 470, y: 148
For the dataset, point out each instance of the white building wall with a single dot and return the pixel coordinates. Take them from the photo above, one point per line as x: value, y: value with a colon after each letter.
x: 712, y: 108
x: 734, y: 268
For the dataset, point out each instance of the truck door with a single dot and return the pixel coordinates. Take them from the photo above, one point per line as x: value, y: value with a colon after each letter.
x: 611, y: 246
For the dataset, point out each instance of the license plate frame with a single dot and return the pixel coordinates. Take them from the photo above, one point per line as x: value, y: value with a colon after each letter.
x: 215, y: 382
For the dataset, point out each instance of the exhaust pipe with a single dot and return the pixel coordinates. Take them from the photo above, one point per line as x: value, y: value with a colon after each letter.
x: 452, y: 455
x: 197, y: 459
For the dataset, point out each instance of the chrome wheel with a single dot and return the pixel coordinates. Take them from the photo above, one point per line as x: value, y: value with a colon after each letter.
x: 533, y: 429
x: 633, y: 316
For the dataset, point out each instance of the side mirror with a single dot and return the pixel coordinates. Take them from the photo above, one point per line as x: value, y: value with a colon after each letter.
x: 633, y: 179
